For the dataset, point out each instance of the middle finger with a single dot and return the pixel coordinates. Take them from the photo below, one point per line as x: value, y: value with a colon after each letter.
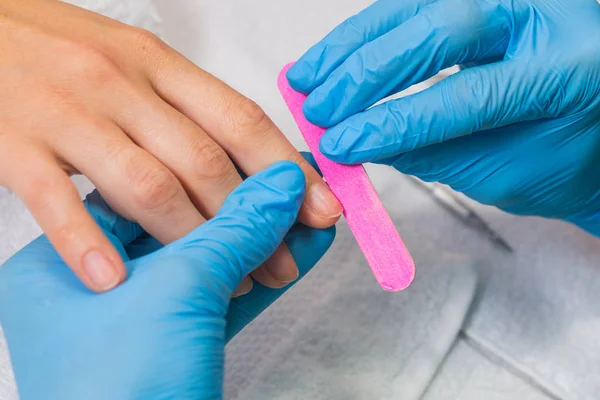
x: 201, y: 165
x: 241, y: 128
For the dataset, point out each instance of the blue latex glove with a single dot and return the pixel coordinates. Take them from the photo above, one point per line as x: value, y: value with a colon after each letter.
x: 519, y: 128
x: 161, y: 334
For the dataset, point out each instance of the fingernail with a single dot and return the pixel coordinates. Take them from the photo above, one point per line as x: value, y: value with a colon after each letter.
x: 244, y: 287
x: 282, y: 266
x: 322, y: 201
x: 101, y: 273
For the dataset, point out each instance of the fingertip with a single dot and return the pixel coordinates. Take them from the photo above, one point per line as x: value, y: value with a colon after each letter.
x: 301, y: 76
x: 321, y: 209
x: 279, y: 270
x: 75, y: 235
x: 322, y: 202
x: 349, y: 144
x: 244, y: 287
x: 330, y: 148
x: 317, y: 110
x: 286, y: 176
x: 271, y: 198
x: 308, y: 217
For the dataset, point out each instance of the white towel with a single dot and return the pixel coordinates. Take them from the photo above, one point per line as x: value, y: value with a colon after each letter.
x: 337, y: 335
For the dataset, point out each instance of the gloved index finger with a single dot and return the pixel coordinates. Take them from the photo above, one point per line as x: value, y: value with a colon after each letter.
x: 438, y: 37
x: 311, y: 70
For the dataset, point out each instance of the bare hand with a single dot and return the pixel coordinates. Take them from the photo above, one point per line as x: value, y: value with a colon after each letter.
x: 157, y: 135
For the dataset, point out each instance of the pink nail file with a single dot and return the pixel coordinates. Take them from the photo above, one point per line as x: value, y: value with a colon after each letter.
x: 367, y: 218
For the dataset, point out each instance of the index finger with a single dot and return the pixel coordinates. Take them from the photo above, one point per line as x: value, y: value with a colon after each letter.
x: 313, y: 68
x: 241, y: 128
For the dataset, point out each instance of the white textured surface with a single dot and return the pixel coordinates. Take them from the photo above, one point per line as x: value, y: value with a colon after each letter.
x: 539, y: 311
x: 356, y: 341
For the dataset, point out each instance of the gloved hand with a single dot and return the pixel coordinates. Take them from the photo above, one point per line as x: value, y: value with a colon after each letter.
x: 161, y: 334
x: 519, y: 128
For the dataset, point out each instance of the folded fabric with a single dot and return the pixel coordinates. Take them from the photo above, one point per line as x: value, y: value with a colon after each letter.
x: 468, y: 375
x: 538, y: 310
x: 348, y: 339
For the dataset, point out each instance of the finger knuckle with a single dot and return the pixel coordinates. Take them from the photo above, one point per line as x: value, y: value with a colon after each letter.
x: 39, y: 194
x: 66, y: 233
x: 248, y: 117
x: 93, y: 66
x: 210, y: 160
x: 147, y: 42
x: 153, y: 187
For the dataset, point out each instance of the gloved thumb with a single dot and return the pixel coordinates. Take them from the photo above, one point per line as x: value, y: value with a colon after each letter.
x: 246, y: 231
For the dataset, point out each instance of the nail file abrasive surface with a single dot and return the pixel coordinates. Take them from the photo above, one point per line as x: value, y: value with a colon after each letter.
x: 367, y: 218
